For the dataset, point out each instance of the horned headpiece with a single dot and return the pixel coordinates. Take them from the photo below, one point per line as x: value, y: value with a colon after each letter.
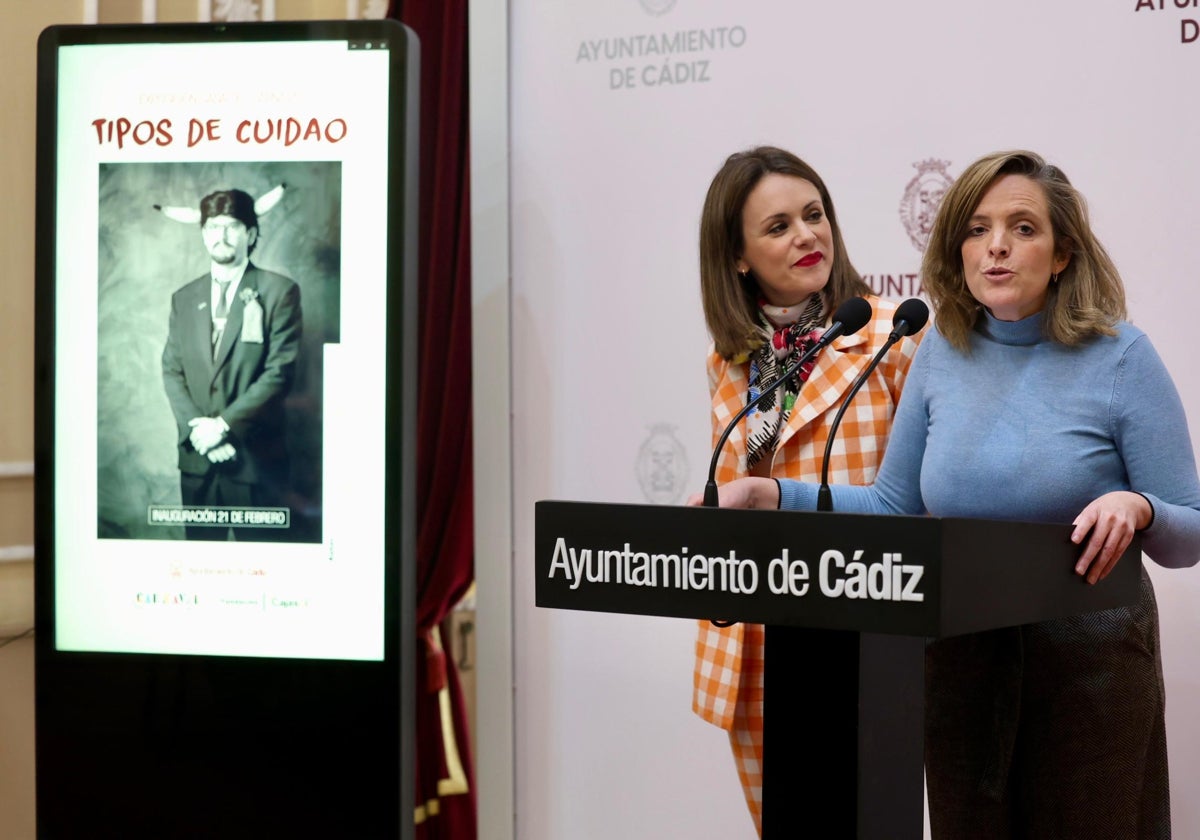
x: 194, y: 215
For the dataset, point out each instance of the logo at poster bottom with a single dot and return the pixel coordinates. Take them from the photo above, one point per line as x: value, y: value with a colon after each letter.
x: 168, y: 599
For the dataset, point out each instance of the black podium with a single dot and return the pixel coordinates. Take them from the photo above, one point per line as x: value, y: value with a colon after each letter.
x: 849, y: 601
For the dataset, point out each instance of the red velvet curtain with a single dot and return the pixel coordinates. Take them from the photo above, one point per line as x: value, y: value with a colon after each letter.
x: 445, y: 800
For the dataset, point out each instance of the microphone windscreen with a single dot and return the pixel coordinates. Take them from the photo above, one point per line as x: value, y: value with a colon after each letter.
x: 853, y: 315
x: 914, y: 312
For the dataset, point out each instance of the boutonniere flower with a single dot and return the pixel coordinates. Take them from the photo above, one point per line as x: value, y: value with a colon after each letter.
x: 252, y: 317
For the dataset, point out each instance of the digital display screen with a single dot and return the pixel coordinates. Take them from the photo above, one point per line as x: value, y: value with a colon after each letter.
x: 220, y: 290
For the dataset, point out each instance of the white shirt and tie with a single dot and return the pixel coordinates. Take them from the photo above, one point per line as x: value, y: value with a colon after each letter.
x: 224, y: 287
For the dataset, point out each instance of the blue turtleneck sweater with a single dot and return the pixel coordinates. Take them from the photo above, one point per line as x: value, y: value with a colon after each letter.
x: 1024, y: 428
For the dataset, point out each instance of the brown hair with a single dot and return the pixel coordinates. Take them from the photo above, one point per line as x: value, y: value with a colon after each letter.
x: 1088, y: 298
x: 731, y: 300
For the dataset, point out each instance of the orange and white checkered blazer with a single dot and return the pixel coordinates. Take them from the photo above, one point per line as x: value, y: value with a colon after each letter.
x: 723, y: 653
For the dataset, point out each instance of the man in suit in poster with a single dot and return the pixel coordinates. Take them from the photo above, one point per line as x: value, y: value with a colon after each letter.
x: 228, y: 364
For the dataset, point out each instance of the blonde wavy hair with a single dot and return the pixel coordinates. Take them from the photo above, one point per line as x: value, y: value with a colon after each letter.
x: 1087, y: 300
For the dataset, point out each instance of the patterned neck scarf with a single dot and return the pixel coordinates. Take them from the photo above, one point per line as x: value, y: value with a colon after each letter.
x: 790, y: 332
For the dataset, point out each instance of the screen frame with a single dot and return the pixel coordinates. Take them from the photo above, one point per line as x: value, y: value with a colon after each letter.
x: 339, y: 732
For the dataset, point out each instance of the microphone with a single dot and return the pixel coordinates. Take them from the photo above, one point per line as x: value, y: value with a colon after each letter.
x: 848, y: 319
x: 910, y: 318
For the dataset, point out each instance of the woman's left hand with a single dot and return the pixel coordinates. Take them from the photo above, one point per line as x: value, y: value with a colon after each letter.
x: 1111, y: 519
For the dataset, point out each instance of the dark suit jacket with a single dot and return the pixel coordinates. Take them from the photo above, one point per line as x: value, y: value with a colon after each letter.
x: 247, y: 381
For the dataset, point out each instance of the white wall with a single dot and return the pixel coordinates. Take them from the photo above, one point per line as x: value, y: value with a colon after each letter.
x: 607, y: 338
x: 488, y: 74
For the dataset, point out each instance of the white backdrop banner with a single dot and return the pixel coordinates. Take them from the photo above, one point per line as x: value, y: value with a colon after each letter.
x: 621, y: 112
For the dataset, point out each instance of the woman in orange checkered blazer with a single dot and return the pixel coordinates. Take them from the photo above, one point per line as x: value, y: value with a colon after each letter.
x: 773, y: 267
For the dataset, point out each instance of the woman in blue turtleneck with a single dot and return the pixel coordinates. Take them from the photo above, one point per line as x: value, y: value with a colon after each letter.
x: 1034, y: 400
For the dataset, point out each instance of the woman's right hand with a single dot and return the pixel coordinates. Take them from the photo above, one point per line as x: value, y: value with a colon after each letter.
x: 754, y: 493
